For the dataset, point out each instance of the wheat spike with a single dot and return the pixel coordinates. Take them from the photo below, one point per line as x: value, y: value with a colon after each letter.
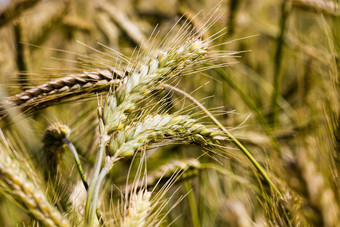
x: 17, y: 184
x: 139, y: 134
x: 62, y: 88
x: 138, y: 209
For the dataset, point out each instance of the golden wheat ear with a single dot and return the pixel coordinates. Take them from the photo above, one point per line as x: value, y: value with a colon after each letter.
x: 15, y: 182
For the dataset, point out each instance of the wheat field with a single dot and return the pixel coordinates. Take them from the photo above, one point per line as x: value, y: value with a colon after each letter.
x: 169, y: 113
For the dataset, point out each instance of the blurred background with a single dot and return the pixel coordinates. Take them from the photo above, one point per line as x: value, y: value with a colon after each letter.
x: 278, y: 96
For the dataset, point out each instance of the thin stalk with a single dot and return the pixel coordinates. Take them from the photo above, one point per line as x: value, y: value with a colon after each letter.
x: 192, y: 205
x: 77, y: 160
x: 93, y: 208
x: 234, y: 6
x: 228, y: 134
x: 97, y: 187
x: 278, y: 62
x: 96, y: 172
x: 70, y: 145
x: 21, y: 54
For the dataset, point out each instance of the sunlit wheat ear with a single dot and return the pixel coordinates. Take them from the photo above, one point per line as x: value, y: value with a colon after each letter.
x: 16, y: 183
x: 53, y: 148
x: 114, y: 115
x: 139, y: 207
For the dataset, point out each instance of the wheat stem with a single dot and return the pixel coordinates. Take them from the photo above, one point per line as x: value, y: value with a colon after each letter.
x: 77, y: 160
x: 192, y: 204
x: 70, y: 145
x: 277, y: 77
x: 105, y: 170
x: 89, y: 215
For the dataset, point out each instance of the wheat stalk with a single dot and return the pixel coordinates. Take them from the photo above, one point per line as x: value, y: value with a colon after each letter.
x: 16, y: 183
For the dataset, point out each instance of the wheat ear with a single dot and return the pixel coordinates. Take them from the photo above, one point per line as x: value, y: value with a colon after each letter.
x: 138, y: 209
x: 16, y: 183
x: 139, y: 134
x: 151, y: 128
x: 57, y: 90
